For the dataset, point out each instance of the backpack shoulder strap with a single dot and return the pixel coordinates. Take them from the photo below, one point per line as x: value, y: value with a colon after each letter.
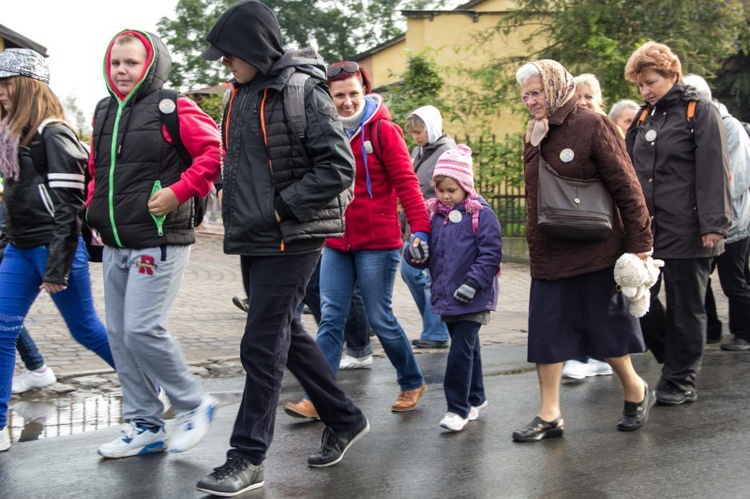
x: 294, y: 103
x: 168, y: 113
x: 643, y: 116
x: 691, y: 111
x: 376, y: 147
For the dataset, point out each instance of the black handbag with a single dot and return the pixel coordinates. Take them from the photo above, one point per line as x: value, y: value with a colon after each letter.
x: 571, y: 208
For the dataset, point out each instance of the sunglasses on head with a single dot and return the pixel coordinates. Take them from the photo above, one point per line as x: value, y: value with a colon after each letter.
x: 347, y: 67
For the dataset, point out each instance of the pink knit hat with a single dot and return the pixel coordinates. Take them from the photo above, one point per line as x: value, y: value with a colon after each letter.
x: 457, y: 164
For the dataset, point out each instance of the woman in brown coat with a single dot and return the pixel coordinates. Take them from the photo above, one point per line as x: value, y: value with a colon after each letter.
x: 574, y: 306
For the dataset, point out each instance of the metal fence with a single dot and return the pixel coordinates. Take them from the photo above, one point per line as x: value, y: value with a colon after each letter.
x: 498, y: 174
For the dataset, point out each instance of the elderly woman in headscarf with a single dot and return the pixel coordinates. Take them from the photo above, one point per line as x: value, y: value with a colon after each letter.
x: 574, y: 306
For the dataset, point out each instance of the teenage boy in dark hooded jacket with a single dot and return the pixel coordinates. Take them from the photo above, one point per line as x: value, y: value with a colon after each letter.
x: 140, y: 199
x: 283, y: 197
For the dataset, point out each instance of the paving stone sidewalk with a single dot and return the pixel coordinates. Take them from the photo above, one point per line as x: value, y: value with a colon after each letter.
x: 210, y: 327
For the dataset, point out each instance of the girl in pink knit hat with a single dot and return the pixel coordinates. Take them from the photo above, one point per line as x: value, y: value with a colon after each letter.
x: 465, y: 251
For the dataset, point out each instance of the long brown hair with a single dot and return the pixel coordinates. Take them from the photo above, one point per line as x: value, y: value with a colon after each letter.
x: 32, y: 102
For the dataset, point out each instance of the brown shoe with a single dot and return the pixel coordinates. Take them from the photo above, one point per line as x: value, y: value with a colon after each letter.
x: 302, y: 409
x: 408, y: 400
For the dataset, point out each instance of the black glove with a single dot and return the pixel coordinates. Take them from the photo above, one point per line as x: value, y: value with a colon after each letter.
x: 464, y: 293
x: 419, y: 252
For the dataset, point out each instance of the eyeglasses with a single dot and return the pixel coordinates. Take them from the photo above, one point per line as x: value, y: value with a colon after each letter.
x: 536, y: 94
x: 347, y: 67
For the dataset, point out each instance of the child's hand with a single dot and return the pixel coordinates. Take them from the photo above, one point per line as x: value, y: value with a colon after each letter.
x: 418, y: 249
x: 163, y: 202
x: 464, y: 293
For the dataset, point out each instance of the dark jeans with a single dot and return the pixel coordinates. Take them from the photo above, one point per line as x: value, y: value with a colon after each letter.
x: 28, y: 351
x: 274, y: 339
x: 463, y: 384
x: 732, y: 265
x: 357, y: 330
x: 675, y: 334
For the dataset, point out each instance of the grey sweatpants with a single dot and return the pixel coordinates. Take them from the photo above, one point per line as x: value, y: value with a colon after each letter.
x: 140, y: 287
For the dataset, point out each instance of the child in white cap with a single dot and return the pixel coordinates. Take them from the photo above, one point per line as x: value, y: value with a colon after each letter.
x: 465, y: 252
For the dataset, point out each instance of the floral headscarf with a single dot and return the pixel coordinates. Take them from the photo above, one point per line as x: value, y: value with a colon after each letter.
x: 559, y: 88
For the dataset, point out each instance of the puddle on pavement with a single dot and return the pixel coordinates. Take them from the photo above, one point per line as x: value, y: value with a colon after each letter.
x: 63, y: 416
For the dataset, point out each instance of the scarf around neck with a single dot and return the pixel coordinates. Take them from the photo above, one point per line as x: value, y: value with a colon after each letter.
x: 8, y: 151
x: 559, y: 88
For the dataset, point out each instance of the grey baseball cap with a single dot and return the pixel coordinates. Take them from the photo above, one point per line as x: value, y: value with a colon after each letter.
x: 23, y: 62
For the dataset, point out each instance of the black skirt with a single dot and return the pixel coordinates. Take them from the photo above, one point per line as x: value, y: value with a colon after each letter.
x: 580, y: 316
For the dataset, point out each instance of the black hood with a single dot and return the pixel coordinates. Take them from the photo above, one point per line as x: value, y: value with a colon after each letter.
x: 250, y: 31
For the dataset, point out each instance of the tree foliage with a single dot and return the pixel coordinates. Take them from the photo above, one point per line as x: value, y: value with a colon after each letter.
x: 598, y: 36
x: 338, y: 29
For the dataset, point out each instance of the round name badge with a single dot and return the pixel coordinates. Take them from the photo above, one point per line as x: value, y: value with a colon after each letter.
x: 650, y: 135
x: 567, y: 155
x: 455, y: 216
x: 166, y: 106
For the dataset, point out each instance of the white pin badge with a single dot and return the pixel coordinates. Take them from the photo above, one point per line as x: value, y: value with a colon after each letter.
x: 650, y: 135
x: 368, y: 147
x: 167, y: 106
x: 455, y: 216
x: 567, y: 155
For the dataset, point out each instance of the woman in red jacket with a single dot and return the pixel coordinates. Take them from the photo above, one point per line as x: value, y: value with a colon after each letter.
x: 370, y: 250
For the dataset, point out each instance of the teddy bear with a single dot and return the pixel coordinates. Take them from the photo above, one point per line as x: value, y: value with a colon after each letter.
x: 635, y: 277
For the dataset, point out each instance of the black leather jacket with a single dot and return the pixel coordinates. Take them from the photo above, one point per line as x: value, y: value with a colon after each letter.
x: 49, y: 211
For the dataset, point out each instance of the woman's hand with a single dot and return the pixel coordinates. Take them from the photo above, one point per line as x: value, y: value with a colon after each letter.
x: 51, y: 287
x: 643, y: 256
x: 710, y: 239
x: 163, y: 202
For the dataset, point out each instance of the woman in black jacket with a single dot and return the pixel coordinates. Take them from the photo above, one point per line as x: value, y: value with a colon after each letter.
x: 679, y: 149
x: 43, y: 164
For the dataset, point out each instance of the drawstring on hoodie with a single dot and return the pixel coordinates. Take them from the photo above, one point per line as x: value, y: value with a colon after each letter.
x: 364, y: 157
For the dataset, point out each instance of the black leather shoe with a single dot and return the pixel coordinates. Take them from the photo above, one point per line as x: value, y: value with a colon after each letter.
x: 635, y: 414
x: 671, y: 395
x: 430, y: 344
x: 539, y: 429
x: 334, y: 446
x: 240, y: 303
x: 736, y: 345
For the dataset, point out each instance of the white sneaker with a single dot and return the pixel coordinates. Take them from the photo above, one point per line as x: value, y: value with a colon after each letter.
x: 192, y: 426
x: 348, y: 362
x: 30, y: 380
x: 474, y: 411
x: 135, y: 440
x: 575, y: 369
x: 4, y: 439
x: 453, y: 422
x: 599, y: 368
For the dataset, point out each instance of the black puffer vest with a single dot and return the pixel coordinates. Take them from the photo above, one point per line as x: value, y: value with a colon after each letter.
x: 145, y: 161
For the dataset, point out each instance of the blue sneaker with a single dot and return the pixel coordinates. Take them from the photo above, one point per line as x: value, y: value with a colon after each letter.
x: 192, y: 426
x: 134, y: 441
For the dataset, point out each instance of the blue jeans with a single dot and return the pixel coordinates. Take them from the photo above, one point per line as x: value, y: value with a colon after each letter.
x: 375, y: 271
x: 419, y: 283
x: 357, y: 331
x: 21, y: 273
x: 28, y: 351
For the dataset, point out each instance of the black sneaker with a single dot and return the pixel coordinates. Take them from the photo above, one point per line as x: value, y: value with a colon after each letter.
x: 671, y: 395
x: 232, y: 478
x: 736, y: 345
x: 334, y: 446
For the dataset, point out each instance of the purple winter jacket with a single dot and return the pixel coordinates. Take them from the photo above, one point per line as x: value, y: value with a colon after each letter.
x: 459, y: 256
